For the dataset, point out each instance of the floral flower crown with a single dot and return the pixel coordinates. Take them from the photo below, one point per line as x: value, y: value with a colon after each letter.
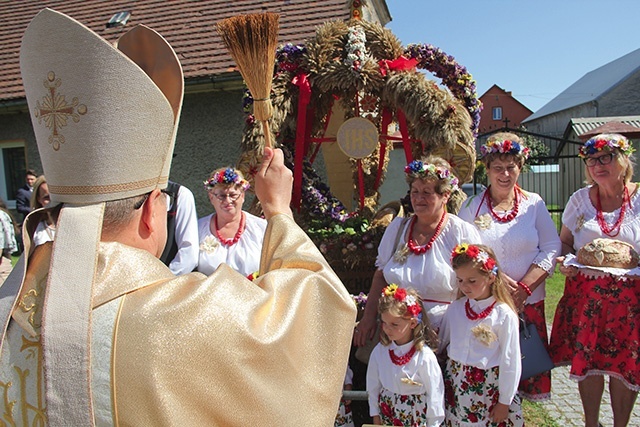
x: 400, y: 295
x: 606, y: 141
x: 418, y: 169
x: 227, y: 176
x: 476, y: 254
x: 504, y: 146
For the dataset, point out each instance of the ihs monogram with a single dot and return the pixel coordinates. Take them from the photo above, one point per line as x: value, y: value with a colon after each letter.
x: 55, y: 110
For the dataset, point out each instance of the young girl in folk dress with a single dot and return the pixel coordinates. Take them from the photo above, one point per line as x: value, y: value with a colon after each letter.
x: 480, y: 335
x: 404, y: 380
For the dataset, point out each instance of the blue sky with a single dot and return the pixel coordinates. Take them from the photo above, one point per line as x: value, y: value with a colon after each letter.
x: 533, y: 48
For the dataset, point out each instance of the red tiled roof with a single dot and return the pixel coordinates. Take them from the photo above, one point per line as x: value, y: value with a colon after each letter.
x: 188, y: 25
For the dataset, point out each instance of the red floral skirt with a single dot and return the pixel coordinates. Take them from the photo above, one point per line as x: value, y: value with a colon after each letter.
x: 538, y: 387
x: 596, y: 328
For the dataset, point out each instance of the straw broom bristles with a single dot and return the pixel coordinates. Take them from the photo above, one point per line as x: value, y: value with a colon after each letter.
x: 252, y: 41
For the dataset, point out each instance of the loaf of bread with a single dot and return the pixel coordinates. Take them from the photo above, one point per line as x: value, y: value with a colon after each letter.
x: 608, y: 253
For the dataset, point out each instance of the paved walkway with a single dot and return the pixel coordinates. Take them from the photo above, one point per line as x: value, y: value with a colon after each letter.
x: 565, y: 406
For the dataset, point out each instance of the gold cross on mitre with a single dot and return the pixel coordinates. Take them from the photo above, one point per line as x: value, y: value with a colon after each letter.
x: 55, y: 110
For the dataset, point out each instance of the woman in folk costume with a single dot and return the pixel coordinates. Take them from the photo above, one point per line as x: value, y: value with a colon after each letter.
x: 517, y: 226
x: 98, y: 330
x: 229, y: 235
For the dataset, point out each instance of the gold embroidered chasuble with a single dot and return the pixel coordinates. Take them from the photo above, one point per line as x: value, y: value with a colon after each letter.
x: 196, y: 350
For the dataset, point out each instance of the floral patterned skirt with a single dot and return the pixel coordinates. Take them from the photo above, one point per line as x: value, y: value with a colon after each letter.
x: 596, y: 328
x: 344, y: 417
x: 402, y: 409
x: 538, y: 387
x: 470, y: 394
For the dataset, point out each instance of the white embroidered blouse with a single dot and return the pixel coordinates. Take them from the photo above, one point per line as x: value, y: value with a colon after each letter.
x: 530, y: 238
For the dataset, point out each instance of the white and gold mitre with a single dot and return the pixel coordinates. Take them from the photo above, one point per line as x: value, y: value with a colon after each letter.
x: 104, y: 117
x: 105, y: 120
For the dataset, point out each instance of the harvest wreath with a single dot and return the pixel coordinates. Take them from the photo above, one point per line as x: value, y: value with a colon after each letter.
x: 360, y: 69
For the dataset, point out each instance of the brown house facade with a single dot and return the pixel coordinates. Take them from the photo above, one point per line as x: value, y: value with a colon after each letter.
x: 212, y: 118
x: 500, y: 109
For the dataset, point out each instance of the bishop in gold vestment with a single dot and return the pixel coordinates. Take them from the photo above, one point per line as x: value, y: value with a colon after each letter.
x: 195, y: 350
x: 96, y: 330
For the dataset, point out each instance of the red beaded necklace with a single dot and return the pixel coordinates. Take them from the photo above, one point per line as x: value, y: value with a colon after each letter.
x: 229, y: 242
x: 511, y: 215
x: 609, y: 231
x: 402, y: 360
x: 419, y: 250
x: 472, y: 315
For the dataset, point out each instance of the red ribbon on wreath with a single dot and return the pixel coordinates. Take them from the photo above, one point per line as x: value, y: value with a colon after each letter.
x: 404, y: 131
x: 301, y: 80
x: 401, y: 63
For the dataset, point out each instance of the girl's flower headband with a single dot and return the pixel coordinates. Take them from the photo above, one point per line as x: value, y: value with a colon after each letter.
x: 400, y: 295
x: 476, y: 254
x: 417, y: 169
x: 505, y: 146
x: 606, y: 142
x: 227, y: 176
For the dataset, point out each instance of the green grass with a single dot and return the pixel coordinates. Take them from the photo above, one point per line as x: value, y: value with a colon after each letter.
x: 536, y: 416
x: 555, y: 289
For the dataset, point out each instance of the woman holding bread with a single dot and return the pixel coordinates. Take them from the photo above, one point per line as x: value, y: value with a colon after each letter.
x: 597, y: 323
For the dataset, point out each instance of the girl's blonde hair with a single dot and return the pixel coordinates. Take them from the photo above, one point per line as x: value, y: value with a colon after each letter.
x: 35, y: 204
x: 483, y: 259
x: 394, y: 300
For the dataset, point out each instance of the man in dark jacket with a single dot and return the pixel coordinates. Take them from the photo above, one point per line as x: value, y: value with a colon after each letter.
x: 23, y: 195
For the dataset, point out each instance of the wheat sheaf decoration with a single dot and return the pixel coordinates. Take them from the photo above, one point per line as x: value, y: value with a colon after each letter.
x: 252, y: 41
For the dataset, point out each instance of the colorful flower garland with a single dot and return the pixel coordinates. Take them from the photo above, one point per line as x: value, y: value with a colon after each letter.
x: 504, y: 146
x: 606, y: 141
x: 453, y: 75
x: 477, y: 255
x: 288, y: 56
x: 400, y: 295
x: 227, y: 176
x: 418, y: 169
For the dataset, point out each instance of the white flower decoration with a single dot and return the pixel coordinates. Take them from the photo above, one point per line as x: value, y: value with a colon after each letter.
x: 410, y: 300
x: 209, y: 244
x: 482, y: 257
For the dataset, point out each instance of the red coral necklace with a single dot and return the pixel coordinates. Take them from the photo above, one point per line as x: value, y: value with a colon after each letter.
x: 472, y: 315
x: 414, y: 247
x: 614, y: 230
x: 229, y: 242
x: 402, y: 360
x: 511, y: 215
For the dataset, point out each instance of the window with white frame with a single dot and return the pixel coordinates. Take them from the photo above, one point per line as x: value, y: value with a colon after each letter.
x: 497, y: 113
